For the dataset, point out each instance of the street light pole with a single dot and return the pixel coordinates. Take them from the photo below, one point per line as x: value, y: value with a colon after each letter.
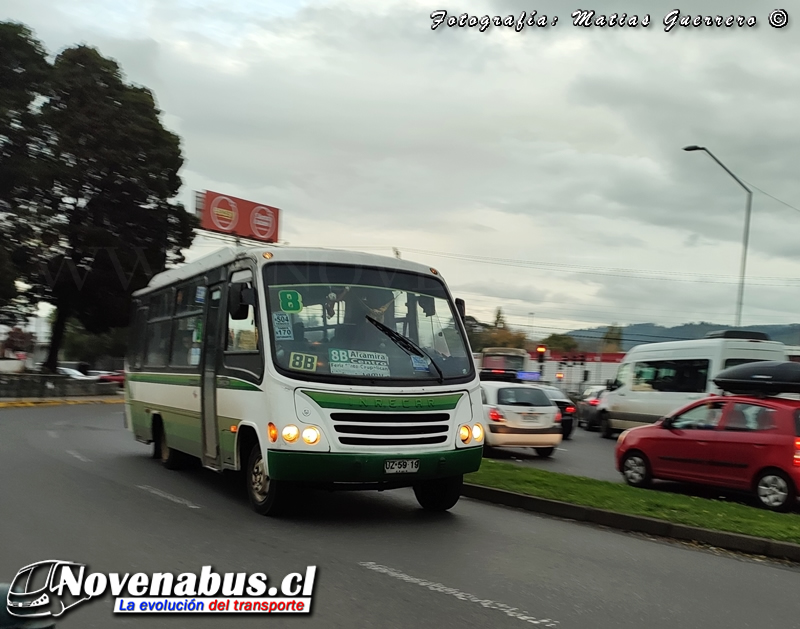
x: 746, y: 237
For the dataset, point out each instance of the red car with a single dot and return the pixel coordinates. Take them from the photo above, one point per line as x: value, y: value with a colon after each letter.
x: 736, y: 441
x: 117, y: 376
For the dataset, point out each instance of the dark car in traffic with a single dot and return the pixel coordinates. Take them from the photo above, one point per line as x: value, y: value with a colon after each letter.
x: 565, y: 405
x: 588, y: 405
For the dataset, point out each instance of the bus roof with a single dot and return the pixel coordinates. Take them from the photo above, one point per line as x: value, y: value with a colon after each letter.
x: 228, y: 255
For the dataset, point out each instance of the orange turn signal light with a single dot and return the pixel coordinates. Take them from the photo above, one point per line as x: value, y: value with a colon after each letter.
x: 272, y: 432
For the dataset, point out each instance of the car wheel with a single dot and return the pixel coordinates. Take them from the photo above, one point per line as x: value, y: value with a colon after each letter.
x: 606, y: 431
x: 544, y: 452
x: 636, y: 469
x: 440, y: 494
x: 775, y: 491
x: 267, y: 496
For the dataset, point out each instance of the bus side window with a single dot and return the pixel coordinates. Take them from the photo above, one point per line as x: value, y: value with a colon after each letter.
x: 136, y: 341
x: 243, y: 335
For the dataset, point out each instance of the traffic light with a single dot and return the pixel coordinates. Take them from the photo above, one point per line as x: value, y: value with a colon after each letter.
x: 541, y: 350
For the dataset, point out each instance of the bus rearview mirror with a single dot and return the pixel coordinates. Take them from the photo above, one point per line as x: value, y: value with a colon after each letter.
x: 461, y: 306
x: 240, y: 298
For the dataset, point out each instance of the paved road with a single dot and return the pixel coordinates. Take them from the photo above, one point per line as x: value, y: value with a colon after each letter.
x: 585, y: 454
x: 73, y: 485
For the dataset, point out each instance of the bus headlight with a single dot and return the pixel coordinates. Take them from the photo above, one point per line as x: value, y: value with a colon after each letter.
x: 290, y: 433
x: 272, y: 432
x: 465, y: 433
x: 311, y: 435
x: 477, y: 432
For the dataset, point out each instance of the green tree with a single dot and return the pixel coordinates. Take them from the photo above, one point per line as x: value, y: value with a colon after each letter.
x: 8, y: 289
x: 80, y: 345
x: 24, y: 74
x: 106, y: 220
x: 499, y: 319
x: 560, y: 343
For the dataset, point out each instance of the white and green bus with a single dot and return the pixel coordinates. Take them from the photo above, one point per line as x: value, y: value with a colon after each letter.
x: 307, y: 367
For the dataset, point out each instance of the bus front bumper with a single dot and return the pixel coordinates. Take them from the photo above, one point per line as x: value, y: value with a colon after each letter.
x: 336, y: 467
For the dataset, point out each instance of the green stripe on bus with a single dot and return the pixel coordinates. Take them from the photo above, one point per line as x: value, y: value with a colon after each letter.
x: 223, y: 382
x: 385, y: 403
x: 166, y: 378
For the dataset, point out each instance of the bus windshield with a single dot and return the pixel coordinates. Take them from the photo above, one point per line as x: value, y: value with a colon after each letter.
x: 320, y: 331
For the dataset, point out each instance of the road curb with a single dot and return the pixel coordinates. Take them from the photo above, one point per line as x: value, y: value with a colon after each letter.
x: 58, y: 402
x: 638, y: 524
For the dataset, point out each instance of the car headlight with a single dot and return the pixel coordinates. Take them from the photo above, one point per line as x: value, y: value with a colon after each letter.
x: 622, y: 437
x: 42, y: 600
x: 477, y: 432
x: 290, y: 433
x: 311, y: 435
x: 465, y: 433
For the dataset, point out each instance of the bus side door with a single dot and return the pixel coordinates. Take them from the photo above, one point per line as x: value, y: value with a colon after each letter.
x: 212, y: 340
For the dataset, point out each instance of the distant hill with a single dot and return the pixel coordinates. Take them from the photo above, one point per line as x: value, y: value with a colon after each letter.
x: 639, y: 333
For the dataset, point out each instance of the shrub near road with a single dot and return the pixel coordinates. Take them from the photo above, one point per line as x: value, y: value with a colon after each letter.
x: 678, y: 509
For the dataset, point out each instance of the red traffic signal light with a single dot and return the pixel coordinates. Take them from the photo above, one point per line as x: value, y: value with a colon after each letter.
x: 541, y: 349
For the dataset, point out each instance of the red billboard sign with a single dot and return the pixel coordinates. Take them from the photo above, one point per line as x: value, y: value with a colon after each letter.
x: 230, y: 215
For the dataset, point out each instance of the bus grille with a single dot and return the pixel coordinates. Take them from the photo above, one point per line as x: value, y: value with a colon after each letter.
x: 391, y: 429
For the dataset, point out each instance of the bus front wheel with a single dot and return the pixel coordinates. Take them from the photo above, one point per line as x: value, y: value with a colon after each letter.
x: 440, y: 494
x: 264, y: 492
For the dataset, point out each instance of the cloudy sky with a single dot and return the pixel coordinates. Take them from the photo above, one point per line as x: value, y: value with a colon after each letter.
x: 539, y: 170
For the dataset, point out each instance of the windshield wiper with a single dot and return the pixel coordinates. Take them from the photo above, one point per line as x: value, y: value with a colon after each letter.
x: 406, y: 344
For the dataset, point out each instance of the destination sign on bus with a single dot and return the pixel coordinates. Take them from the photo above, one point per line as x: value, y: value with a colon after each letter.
x: 357, y: 363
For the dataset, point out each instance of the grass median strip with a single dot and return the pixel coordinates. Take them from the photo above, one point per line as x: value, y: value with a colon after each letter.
x: 679, y: 509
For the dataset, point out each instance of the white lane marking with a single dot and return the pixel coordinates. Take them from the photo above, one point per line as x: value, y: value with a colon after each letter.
x: 53, y: 434
x: 471, y: 598
x: 562, y: 449
x: 80, y: 457
x: 164, y: 494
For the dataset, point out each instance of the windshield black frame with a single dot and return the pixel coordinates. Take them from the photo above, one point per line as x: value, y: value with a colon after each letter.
x: 339, y: 274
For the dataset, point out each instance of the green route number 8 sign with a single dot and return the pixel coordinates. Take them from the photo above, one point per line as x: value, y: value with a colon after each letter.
x: 291, y: 300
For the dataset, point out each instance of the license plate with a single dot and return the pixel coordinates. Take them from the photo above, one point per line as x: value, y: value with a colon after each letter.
x: 531, y: 417
x: 401, y: 466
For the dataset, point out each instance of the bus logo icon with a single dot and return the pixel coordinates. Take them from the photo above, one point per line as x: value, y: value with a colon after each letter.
x: 36, y: 593
x: 224, y: 214
x: 262, y: 222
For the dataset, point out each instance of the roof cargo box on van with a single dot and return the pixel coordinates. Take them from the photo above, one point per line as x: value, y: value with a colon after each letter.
x: 760, y: 378
x: 738, y: 334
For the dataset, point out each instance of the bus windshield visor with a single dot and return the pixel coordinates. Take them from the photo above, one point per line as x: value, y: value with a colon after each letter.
x: 319, y: 316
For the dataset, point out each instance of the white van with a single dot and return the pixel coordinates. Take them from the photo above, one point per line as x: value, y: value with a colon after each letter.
x: 657, y: 378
